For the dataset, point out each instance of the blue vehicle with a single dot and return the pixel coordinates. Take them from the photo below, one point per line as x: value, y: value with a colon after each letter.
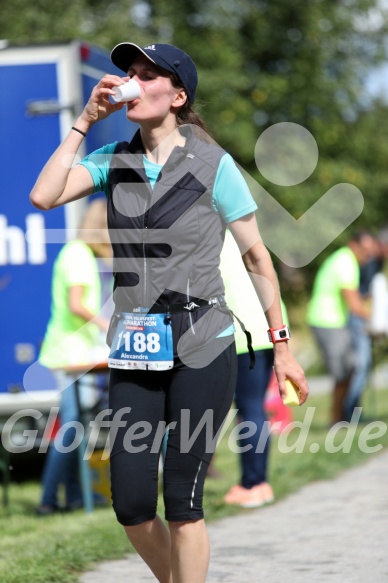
x: 44, y: 88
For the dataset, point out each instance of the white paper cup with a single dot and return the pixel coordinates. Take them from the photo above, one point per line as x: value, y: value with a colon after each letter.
x: 126, y: 92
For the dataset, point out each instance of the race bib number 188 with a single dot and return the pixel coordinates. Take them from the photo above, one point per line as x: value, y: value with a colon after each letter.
x: 142, y: 342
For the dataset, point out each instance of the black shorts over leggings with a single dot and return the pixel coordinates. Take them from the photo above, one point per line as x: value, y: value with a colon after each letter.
x: 183, y: 397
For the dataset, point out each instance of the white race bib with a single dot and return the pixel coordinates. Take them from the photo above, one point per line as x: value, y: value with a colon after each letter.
x: 142, y: 342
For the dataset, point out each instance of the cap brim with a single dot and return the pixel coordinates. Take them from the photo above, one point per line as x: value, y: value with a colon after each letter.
x: 124, y: 54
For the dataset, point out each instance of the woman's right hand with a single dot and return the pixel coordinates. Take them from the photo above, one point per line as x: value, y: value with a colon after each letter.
x: 99, y: 105
x: 59, y: 182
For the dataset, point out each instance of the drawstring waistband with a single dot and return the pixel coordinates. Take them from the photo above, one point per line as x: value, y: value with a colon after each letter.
x: 218, y: 302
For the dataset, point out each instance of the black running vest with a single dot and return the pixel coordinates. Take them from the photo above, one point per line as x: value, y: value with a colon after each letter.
x: 167, y: 240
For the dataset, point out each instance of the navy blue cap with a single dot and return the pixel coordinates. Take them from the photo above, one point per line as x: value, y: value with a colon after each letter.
x: 166, y: 56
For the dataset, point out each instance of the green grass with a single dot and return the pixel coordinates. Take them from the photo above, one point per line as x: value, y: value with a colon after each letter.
x: 291, y: 471
x: 56, y: 548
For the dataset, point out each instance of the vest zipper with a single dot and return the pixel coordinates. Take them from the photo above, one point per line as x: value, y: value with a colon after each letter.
x: 145, y: 274
x: 146, y: 269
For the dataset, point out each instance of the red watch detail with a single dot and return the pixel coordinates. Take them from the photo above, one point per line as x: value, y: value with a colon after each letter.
x: 279, y: 334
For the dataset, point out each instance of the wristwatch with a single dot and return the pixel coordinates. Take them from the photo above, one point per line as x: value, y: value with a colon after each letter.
x: 279, y: 334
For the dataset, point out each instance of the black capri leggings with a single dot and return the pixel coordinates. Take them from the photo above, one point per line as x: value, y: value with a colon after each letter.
x: 193, y: 402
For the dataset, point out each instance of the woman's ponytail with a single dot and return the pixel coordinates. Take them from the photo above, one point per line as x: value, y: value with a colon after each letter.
x: 187, y: 115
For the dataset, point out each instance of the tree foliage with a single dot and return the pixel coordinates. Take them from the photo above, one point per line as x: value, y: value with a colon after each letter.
x: 260, y: 62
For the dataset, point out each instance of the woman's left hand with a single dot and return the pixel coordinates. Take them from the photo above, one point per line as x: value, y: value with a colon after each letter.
x: 286, y: 367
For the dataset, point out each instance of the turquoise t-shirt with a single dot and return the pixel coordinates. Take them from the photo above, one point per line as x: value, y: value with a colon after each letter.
x: 231, y: 195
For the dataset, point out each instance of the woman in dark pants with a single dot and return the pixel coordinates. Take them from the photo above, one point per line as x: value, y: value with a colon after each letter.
x: 253, y: 489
